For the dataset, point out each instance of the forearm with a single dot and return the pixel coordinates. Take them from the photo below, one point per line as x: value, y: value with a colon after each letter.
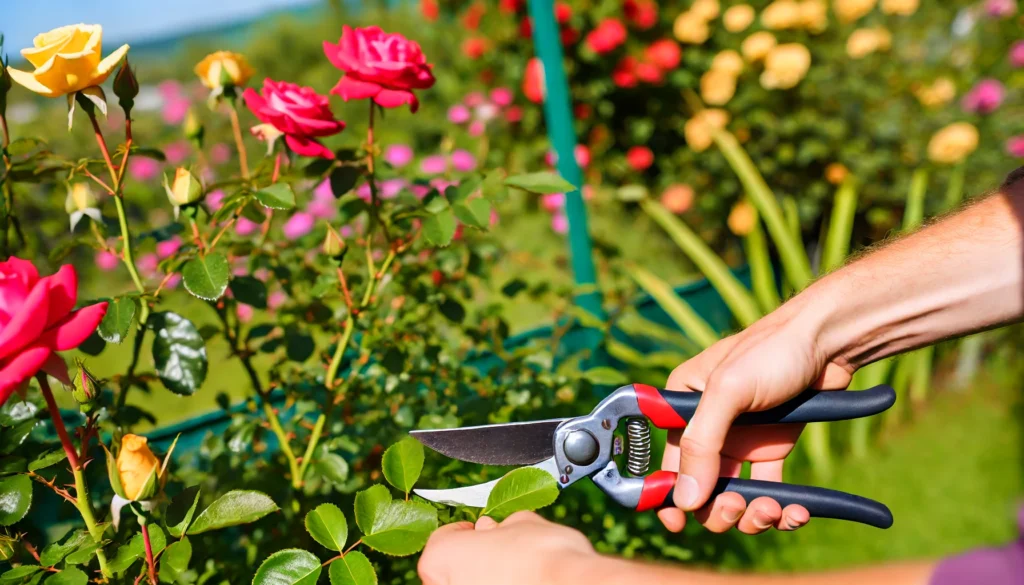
x: 962, y: 274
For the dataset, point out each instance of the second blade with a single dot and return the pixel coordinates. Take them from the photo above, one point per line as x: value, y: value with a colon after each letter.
x: 523, y: 443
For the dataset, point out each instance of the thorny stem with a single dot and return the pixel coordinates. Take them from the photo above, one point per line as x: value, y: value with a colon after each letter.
x: 8, y: 191
x: 344, y: 288
x: 222, y: 231
x: 103, y: 147
x: 127, y: 149
x: 149, y: 554
x: 236, y: 129
x: 81, y: 489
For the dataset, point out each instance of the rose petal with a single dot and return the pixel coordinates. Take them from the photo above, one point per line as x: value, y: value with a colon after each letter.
x: 55, y: 366
x: 393, y: 98
x: 19, y: 368
x: 349, y: 88
x: 255, y: 103
x: 29, y: 82
x: 63, y: 293
x: 303, y: 146
x: 71, y: 331
x: 27, y: 322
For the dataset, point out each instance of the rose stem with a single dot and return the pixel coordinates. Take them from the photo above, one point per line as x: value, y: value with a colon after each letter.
x: 236, y: 129
x: 8, y: 192
x: 149, y: 554
x: 81, y: 489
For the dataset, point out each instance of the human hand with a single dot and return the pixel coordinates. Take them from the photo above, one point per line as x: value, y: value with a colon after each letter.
x: 524, y: 548
x: 763, y: 366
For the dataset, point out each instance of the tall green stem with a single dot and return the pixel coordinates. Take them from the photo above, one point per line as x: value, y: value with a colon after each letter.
x: 307, y: 457
x: 5, y: 224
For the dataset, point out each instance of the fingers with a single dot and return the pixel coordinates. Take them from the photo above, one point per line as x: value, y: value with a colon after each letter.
x: 767, y: 470
x: 449, y: 528
x: 674, y: 519
x: 723, y: 513
x: 793, y: 516
x: 761, y: 514
x: 834, y: 377
x: 437, y: 556
x: 486, y: 523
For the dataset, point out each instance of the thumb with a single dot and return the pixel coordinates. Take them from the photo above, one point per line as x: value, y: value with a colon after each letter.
x: 701, y: 445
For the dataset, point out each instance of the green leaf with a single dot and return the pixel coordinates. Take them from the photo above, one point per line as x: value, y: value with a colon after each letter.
x: 401, y: 528
x: 352, y: 569
x: 124, y: 558
x: 691, y: 323
x: 514, y: 287
x: 403, y: 463
x: 56, y: 551
x: 175, y: 561
x: 367, y: 503
x: 181, y: 511
x: 179, y: 352
x: 327, y: 525
x: 12, y: 465
x: 249, y: 290
x: 14, y: 436
x: 69, y: 576
x: 493, y: 187
x: 84, y: 554
x: 15, y: 498
x: 157, y: 539
x: 233, y: 508
x: 605, y: 376
x: 207, y: 276
x: 439, y: 228
x: 118, y: 321
x: 19, y: 573
x: 453, y: 310
x: 526, y: 488
x: 277, y: 196
x: 51, y: 457
x: 343, y: 179
x: 474, y: 212
x: 289, y: 567
x: 333, y: 467
x: 325, y: 283
x: 542, y: 183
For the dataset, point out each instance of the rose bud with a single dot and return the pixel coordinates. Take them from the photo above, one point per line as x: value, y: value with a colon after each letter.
x: 185, y: 190
x: 333, y: 245
x: 138, y: 470
x: 81, y: 202
x: 192, y: 128
x: 223, y: 70
x: 84, y: 387
x: 126, y: 87
x: 5, y: 81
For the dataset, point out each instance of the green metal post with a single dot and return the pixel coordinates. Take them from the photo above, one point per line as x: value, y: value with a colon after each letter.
x: 558, y: 115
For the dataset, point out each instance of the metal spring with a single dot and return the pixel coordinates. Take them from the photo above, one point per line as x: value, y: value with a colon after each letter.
x: 638, y: 434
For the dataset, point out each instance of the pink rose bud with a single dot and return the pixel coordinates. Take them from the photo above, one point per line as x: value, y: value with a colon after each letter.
x: 244, y: 312
x: 458, y: 114
x: 323, y: 192
x: 486, y: 112
x: 298, y: 225
x: 215, y: 199
x: 398, y: 155
x: 463, y: 161
x: 1000, y: 8
x: 434, y: 164
x: 176, y: 152
x: 1015, y: 146
x: 147, y: 263
x: 560, y: 224
x: 1017, y: 54
x: 984, y: 98
x: 476, y: 128
x: 391, y: 188
x: 276, y: 299
x: 501, y: 96
x: 106, y: 261
x: 245, y: 227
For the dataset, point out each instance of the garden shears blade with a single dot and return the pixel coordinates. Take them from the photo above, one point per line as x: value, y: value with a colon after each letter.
x: 584, y: 447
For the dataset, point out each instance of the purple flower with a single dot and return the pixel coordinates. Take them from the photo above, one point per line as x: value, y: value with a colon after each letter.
x: 168, y: 247
x: 458, y: 114
x: 501, y: 96
x: 984, y: 98
x: 147, y: 263
x: 1015, y: 146
x: 420, y: 190
x: 1017, y: 54
x: 220, y: 153
x: 434, y: 164
x: 321, y: 209
x: 553, y: 202
x: 463, y: 161
x: 142, y: 168
x: 1000, y: 8
x: 276, y: 299
x: 106, y: 261
x: 245, y: 227
x: 176, y: 152
x: 298, y: 225
x: 390, y: 188
x: 398, y: 155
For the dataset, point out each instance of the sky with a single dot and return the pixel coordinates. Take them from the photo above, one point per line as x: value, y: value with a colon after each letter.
x: 125, y: 21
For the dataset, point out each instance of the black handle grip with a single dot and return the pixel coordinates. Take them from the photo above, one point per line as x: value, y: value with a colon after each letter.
x: 820, y: 502
x: 809, y: 406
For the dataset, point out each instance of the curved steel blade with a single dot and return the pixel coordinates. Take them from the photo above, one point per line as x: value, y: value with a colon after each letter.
x: 521, y: 443
x: 476, y: 495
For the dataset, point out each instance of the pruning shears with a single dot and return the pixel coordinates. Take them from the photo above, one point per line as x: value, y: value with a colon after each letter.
x: 571, y: 449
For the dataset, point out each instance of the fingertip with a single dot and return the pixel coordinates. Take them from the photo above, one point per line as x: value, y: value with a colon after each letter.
x: 674, y: 519
x: 453, y: 527
x: 686, y: 493
x: 486, y: 523
x: 761, y: 514
x: 794, y: 516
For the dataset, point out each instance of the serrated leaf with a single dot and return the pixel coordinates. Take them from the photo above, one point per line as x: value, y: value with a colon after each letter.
x: 462, y: 191
x: 56, y: 551
x: 526, y: 488
x: 249, y: 290
x: 118, y: 321
x: 15, y: 498
x: 327, y: 525
x: 403, y: 463
x: 439, y: 228
x: 333, y: 467
x: 233, y: 508
x: 605, y: 376
x: 69, y: 576
x: 543, y: 183
x: 367, y: 503
x: 401, y: 528
x: 277, y: 196
x: 179, y: 352
x: 83, y: 555
x: 206, y: 277
x: 19, y: 573
x: 474, y: 212
x: 175, y: 560
x: 352, y: 569
x: 289, y: 567
x: 12, y: 437
x: 181, y: 511
x: 51, y: 457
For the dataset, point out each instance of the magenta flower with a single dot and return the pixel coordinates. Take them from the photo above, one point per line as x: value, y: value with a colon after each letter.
x: 390, y: 188
x: 321, y: 209
x: 553, y: 202
x: 458, y: 114
x: 175, y: 110
x: 434, y: 164
x: 560, y: 223
x: 143, y: 169
x: 1000, y: 8
x: 1015, y: 146
x: 346, y: 231
x: 420, y: 191
x: 323, y: 191
x: 298, y: 112
x: 398, y: 155
x: 502, y: 96
x: 984, y: 98
x: 147, y: 263
x: 168, y: 247
x: 1017, y: 54
x: 473, y: 99
x: 463, y: 161
x: 215, y: 199
x: 176, y: 152
x: 298, y: 225
x: 245, y: 227
x: 441, y: 184
x: 276, y: 299
x: 476, y: 128
x: 169, y: 89
x: 220, y: 153
x: 173, y: 281
x: 106, y: 261
x: 244, y: 312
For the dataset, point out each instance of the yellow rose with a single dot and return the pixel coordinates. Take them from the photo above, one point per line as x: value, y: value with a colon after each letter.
x: 851, y: 10
x: 738, y: 18
x: 66, y: 60
x: 717, y: 87
x: 697, y: 129
x: 690, y: 27
x: 757, y: 46
x: 706, y: 9
x: 814, y: 15
x: 864, y: 41
x: 728, y: 61
x: 742, y: 218
x: 781, y: 14
x: 785, y: 66
x: 900, y: 7
x: 135, y: 464
x: 836, y: 173
x: 940, y: 92
x: 216, y: 69
x: 183, y: 190
x: 953, y: 143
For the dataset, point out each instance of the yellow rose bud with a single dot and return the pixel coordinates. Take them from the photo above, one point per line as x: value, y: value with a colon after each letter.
x: 697, y: 130
x: 785, y: 66
x: 333, y: 245
x: 851, y: 10
x: 781, y: 14
x: 728, y: 61
x: 185, y: 189
x: 953, y: 143
x: 900, y: 7
x: 717, y: 87
x: 222, y: 68
x: 814, y: 15
x: 81, y: 202
x: 192, y: 128
x: 738, y: 18
x: 66, y: 60
x: 742, y: 218
x: 136, y: 466
x: 836, y: 173
x: 690, y: 27
x: 757, y: 46
x: 706, y: 9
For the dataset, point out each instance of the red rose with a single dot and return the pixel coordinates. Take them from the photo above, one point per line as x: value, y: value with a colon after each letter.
x: 643, y: 14
x: 624, y: 73
x: 513, y: 114
x: 510, y: 6
x: 563, y: 12
x: 649, y: 72
x: 474, y: 47
x: 526, y: 28
x: 569, y: 35
x: 640, y: 158
x: 430, y: 9
x: 380, y: 66
x: 533, y: 81
x: 38, y: 322
x: 471, y: 19
x: 300, y: 113
x: 609, y: 34
x: 664, y: 53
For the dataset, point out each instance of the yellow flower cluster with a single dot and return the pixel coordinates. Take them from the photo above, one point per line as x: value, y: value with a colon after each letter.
x: 737, y: 18
x: 953, y: 143
x: 693, y: 26
x: 900, y: 7
x: 785, y: 66
x: 852, y: 10
x: 865, y: 41
x: 697, y: 129
x: 938, y: 93
x: 718, y: 84
x: 810, y: 15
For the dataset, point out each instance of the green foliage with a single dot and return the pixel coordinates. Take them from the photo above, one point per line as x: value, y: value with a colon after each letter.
x: 277, y: 196
x: 68, y: 576
x: 174, y: 562
x: 352, y: 569
x: 206, y: 276
x: 118, y: 321
x: 403, y: 463
x: 15, y: 498
x: 526, y: 488
x: 327, y: 525
x: 401, y: 528
x: 233, y: 508
x: 179, y: 352
x: 367, y: 503
x: 288, y: 567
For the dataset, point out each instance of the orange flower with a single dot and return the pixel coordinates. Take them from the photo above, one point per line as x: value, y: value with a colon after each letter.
x: 738, y: 18
x: 219, y: 68
x: 757, y: 46
x: 742, y: 219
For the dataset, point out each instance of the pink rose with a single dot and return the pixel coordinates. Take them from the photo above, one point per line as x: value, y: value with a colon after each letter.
x: 147, y: 264
x: 169, y: 89
x: 298, y: 225
x: 463, y: 161
x: 38, y: 321
x: 552, y: 202
x: 168, y: 247
x: 434, y: 164
x: 173, y: 281
x: 458, y: 114
x: 276, y: 299
x: 321, y: 209
x: 560, y: 223
x: 142, y: 168
x: 606, y: 37
x: 300, y: 113
x: 476, y: 128
x: 106, y: 261
x: 501, y: 96
x: 1000, y: 8
x: 215, y: 200
x: 245, y: 227
x: 379, y: 66
x: 176, y: 152
x: 1017, y: 54
x: 175, y: 110
x: 1015, y: 146
x: 984, y: 98
x: 398, y: 155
